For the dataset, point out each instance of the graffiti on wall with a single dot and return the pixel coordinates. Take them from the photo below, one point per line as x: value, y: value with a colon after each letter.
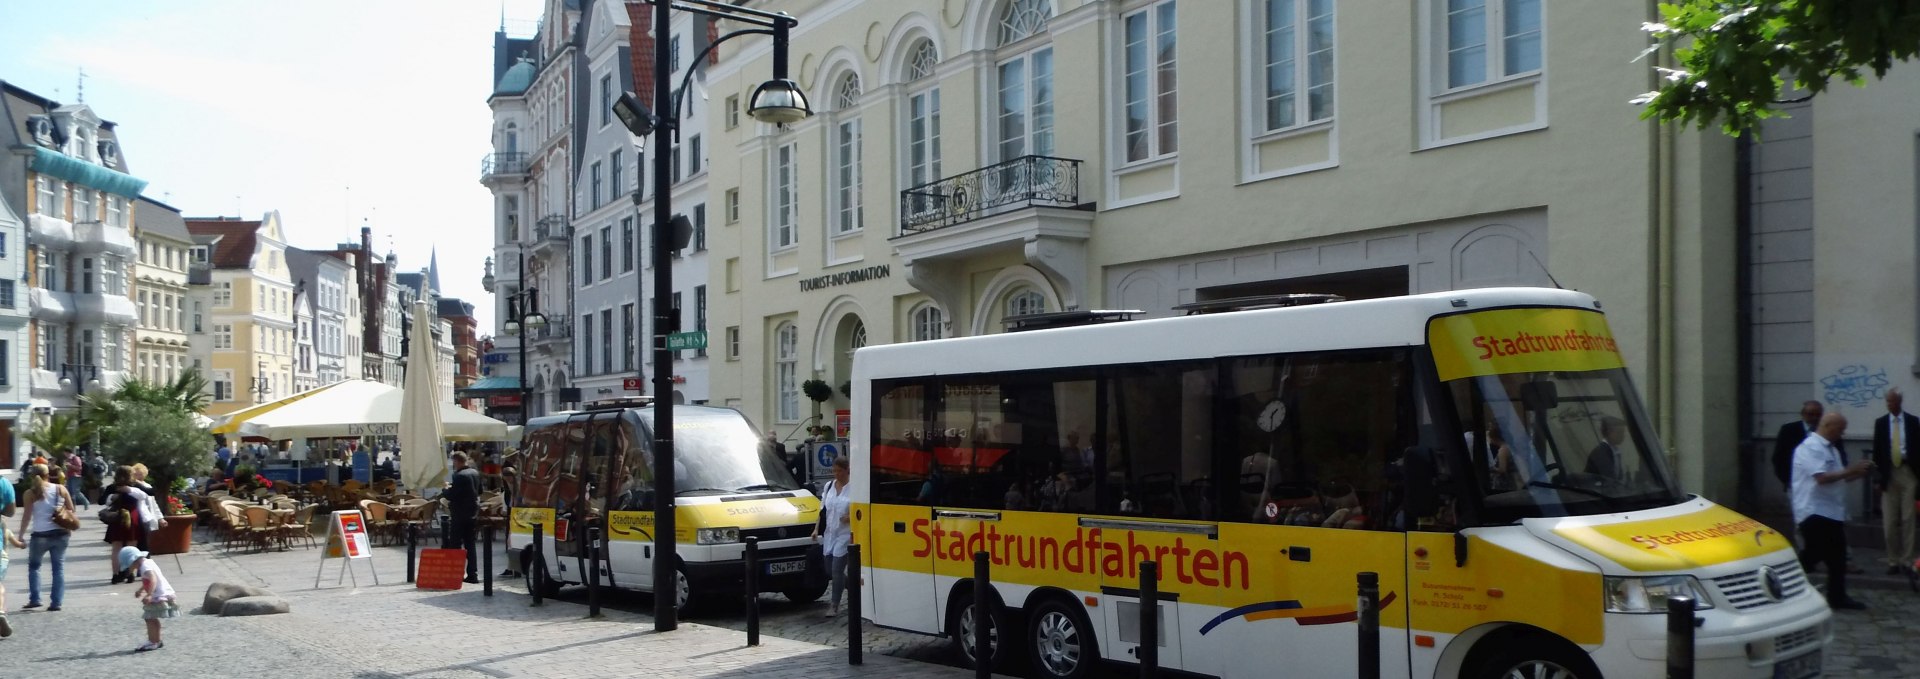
x: 1854, y: 385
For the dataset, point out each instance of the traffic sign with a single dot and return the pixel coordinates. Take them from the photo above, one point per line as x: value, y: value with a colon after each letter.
x: 633, y: 383
x: 682, y: 341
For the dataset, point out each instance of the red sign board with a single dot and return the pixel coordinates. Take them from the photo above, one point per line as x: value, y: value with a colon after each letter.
x: 633, y: 383
x: 441, y: 569
x: 505, y: 401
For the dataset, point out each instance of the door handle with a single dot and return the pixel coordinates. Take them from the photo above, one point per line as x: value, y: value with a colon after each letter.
x: 1298, y: 553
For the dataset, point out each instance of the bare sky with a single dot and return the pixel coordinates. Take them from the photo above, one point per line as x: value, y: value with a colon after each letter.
x: 331, y: 112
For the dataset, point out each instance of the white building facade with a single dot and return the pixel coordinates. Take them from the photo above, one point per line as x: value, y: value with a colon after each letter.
x: 161, y: 340
x: 15, y: 337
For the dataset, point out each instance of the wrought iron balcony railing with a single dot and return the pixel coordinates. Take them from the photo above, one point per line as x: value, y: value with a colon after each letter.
x: 503, y: 163
x: 551, y: 227
x: 553, y: 330
x: 1027, y: 181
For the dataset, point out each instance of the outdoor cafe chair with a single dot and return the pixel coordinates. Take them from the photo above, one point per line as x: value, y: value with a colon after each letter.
x: 233, y: 523
x: 299, y: 527
x: 261, y: 528
x: 379, y: 522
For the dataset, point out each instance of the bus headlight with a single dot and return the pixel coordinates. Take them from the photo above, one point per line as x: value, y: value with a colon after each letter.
x: 716, y: 536
x: 1650, y: 595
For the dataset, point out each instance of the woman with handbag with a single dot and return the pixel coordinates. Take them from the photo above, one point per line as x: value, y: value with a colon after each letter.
x: 49, y: 521
x: 835, y: 530
x: 125, y: 503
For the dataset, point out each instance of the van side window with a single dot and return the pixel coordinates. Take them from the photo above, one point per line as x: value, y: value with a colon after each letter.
x: 898, y: 449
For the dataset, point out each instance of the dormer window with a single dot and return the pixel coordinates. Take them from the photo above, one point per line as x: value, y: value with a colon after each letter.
x: 200, y: 254
x: 109, y: 153
x: 41, y: 127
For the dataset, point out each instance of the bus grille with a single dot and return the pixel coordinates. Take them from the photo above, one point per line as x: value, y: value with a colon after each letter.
x: 1749, y: 589
x: 777, y: 532
x: 1792, y: 642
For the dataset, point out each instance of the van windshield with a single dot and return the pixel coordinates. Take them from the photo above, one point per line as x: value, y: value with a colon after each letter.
x: 1560, y: 444
x: 715, y: 451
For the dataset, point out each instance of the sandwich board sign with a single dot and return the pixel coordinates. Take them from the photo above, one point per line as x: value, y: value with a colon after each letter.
x: 347, y: 541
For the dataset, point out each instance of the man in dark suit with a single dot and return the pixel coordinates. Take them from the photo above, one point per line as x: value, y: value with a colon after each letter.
x: 1791, y: 434
x: 1607, y: 459
x: 1896, y: 475
x: 463, y: 506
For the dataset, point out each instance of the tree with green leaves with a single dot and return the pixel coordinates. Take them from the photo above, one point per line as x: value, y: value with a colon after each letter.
x: 1733, y: 62
x: 186, y: 393
x: 162, y: 437
x: 58, y: 435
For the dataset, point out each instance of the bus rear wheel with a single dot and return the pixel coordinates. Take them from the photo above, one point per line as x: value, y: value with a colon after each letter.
x: 804, y: 594
x: 1060, y: 641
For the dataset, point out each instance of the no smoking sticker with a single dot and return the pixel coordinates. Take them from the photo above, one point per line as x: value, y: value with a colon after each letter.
x: 1273, y: 510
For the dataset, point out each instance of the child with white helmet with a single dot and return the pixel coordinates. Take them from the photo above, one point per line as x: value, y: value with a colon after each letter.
x: 155, y: 595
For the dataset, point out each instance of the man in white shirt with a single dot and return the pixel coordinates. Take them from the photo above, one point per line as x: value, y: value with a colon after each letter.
x: 1820, y: 505
x: 1896, y: 478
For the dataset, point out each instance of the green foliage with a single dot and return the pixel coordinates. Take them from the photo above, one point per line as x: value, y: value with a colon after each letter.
x: 163, y: 438
x: 1734, y: 60
x: 817, y: 390
x: 57, y: 434
x: 186, y: 394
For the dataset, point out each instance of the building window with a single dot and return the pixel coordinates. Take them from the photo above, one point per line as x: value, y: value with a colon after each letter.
x: 198, y: 316
x: 629, y: 349
x: 49, y: 265
x: 673, y: 163
x: 700, y: 227
x: 50, y: 201
x: 1482, y: 37
x: 1025, y: 302
x: 606, y: 340
x: 1291, y: 61
x: 786, y: 364
x: 111, y: 357
x: 222, y: 336
x: 1025, y: 97
x: 846, y: 159
x: 733, y: 205
x: 223, y: 294
x: 700, y: 316
x: 929, y: 323
x: 785, y: 200
x: 626, y: 244
x: 146, y: 311
x: 87, y: 343
x: 606, y: 98
x: 733, y: 343
x: 694, y: 159
x: 113, y: 275
x: 49, y: 337
x: 606, y: 252
x: 733, y: 111
x: 673, y: 54
x: 3, y: 245
x: 116, y: 211
x: 222, y: 385
x: 6, y: 363
x: 616, y: 168
x: 586, y: 259
x: 594, y: 172
x: 83, y: 207
x: 923, y: 125
x: 6, y: 293
x: 86, y: 275
x: 1150, y: 82
x: 586, y: 344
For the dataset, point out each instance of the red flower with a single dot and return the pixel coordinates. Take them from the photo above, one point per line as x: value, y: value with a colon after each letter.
x: 262, y: 481
x: 175, y: 507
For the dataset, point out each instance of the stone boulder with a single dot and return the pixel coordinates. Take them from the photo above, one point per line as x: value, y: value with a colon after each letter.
x: 219, y: 593
x: 254, y: 605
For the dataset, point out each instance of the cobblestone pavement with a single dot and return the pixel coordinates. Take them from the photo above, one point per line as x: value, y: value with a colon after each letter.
x: 385, y: 631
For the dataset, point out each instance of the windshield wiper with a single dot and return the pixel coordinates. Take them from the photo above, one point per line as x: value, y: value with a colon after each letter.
x: 1608, y: 500
x: 701, y: 490
x: 762, y: 486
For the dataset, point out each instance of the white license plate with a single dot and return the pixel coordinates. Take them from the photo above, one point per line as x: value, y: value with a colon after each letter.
x: 785, y: 567
x: 1808, y: 665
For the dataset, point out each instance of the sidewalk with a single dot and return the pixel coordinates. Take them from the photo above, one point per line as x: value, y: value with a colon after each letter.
x: 385, y: 631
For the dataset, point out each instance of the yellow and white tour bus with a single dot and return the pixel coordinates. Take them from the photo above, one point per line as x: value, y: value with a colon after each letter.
x: 1483, y: 451
x: 593, y: 468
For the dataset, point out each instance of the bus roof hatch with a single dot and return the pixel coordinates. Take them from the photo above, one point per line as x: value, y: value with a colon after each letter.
x: 1214, y: 306
x: 1067, y: 319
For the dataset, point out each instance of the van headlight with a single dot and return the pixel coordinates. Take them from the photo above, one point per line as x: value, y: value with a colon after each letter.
x: 1650, y: 595
x: 716, y: 536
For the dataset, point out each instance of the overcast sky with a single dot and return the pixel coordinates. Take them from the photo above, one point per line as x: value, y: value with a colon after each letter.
x: 331, y: 112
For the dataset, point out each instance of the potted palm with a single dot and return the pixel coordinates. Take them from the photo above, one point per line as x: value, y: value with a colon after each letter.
x: 152, y: 424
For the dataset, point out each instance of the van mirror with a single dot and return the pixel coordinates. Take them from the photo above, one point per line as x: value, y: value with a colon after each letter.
x: 1420, y: 472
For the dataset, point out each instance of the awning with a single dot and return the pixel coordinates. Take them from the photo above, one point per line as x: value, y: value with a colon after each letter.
x: 230, y: 422
x: 491, y: 385
x: 50, y: 162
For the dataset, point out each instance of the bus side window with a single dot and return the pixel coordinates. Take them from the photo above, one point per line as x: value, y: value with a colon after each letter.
x: 899, y: 452
x: 1159, y: 439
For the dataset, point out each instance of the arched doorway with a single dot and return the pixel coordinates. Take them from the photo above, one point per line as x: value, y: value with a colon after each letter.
x: 559, y: 383
x: 849, y: 335
x: 536, y: 405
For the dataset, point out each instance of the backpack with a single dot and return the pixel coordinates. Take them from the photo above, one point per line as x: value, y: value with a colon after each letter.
x: 97, y: 467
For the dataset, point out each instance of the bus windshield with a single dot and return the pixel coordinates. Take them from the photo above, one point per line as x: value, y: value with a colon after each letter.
x: 715, y: 451
x: 1559, y: 443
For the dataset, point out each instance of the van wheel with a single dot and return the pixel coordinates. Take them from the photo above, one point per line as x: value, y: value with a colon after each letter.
x: 684, y: 600
x: 1536, y: 661
x: 804, y: 594
x: 543, y: 579
x: 1060, y: 641
x: 960, y: 622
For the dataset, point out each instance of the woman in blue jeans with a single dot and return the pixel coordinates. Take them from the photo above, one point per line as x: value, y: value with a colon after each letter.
x: 47, y: 538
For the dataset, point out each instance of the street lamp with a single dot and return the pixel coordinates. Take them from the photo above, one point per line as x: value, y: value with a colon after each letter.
x: 523, y: 310
x: 776, y: 101
x: 79, y: 376
x: 261, y: 388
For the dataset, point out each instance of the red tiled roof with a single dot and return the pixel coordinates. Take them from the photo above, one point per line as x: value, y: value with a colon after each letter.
x: 235, y: 249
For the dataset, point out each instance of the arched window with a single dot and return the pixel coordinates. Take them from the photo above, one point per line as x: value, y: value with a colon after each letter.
x: 922, y: 61
x: 929, y: 323
x: 846, y: 157
x: 1025, y: 301
x: 847, y: 95
x: 511, y: 140
x: 786, y: 365
x: 923, y: 125
x: 1024, y: 112
x: 858, y: 338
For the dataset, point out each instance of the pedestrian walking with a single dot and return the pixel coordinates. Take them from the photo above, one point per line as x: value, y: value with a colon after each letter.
x: 48, y: 506
x: 1820, y: 505
x: 6, y: 539
x: 834, y: 531
x: 463, y: 505
x: 155, y: 595
x: 76, y: 478
x: 127, y: 527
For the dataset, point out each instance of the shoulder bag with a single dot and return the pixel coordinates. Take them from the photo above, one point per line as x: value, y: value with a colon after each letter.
x: 63, y: 514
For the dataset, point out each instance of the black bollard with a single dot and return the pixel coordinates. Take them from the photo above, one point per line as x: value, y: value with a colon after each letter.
x: 1680, y: 638
x: 593, y: 572
x: 982, y: 615
x: 538, y: 569
x: 446, y: 534
x: 855, y: 654
x: 412, y: 548
x: 752, y: 557
x: 1369, y: 615
x: 486, y: 560
x: 1149, y: 649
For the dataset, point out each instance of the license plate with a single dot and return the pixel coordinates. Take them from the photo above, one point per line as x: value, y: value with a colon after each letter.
x: 1808, y: 665
x: 785, y: 567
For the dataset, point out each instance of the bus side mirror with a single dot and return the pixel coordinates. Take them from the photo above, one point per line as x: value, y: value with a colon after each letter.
x: 1423, y: 495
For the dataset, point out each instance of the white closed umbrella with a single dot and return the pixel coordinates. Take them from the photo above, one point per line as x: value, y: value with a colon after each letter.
x: 422, y: 466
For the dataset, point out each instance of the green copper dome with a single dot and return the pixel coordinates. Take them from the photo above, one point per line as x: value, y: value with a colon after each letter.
x: 518, y: 78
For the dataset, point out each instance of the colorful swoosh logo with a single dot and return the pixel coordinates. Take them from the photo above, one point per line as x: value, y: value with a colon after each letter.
x: 1318, y: 615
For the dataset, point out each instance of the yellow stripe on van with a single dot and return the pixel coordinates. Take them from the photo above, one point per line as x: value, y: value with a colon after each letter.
x: 1506, y: 341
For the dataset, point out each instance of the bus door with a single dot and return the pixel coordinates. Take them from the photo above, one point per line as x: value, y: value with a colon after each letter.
x: 901, y: 548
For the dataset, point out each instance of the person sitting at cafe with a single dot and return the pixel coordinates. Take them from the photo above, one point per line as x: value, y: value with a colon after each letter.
x: 217, y: 481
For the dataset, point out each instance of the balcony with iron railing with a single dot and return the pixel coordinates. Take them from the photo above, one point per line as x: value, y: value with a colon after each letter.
x: 554, y: 330
x: 495, y: 165
x: 550, y: 234
x: 1024, y: 182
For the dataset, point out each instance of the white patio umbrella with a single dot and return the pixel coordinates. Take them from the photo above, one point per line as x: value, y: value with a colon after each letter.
x: 362, y: 408
x: 423, y: 466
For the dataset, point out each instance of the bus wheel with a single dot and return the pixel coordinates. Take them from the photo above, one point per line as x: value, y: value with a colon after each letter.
x: 1536, y: 661
x: 1060, y: 641
x: 804, y: 594
x: 684, y: 600
x: 960, y: 622
x: 543, y: 579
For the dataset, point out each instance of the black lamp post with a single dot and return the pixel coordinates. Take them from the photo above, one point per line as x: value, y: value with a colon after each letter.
x: 261, y: 388
x: 776, y: 101
x: 79, y: 376
x: 523, y: 311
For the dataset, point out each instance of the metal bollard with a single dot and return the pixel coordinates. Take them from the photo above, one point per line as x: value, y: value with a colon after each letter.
x: 855, y: 655
x: 1680, y: 638
x: 753, y: 590
x: 486, y: 561
x: 412, y: 549
x: 594, y: 540
x: 446, y: 534
x: 1368, y: 608
x: 982, y: 615
x: 537, y: 571
x: 1148, y: 652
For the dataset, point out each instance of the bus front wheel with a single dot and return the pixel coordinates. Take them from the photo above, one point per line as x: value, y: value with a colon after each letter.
x: 1060, y: 641
x: 1553, y: 659
x: 961, y: 619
